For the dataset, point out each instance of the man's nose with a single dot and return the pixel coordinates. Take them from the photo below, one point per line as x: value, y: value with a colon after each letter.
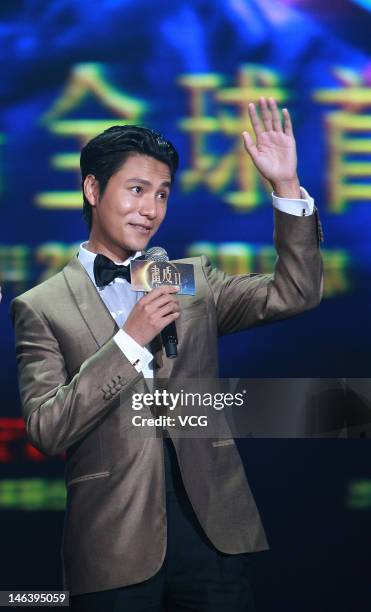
x: 148, y: 207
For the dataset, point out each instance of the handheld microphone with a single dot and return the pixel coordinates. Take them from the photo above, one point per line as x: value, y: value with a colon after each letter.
x: 168, y: 334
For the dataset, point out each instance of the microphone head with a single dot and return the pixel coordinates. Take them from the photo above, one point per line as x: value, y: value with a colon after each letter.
x: 156, y: 254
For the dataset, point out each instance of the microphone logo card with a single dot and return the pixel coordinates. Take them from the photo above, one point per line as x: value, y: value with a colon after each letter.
x: 147, y: 275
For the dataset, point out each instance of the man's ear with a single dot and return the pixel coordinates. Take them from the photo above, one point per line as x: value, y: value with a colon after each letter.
x: 91, y: 189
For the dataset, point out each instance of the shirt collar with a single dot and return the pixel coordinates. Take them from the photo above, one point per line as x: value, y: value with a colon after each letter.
x: 86, y: 258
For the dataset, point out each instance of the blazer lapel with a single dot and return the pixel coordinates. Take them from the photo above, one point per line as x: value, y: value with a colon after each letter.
x: 96, y: 315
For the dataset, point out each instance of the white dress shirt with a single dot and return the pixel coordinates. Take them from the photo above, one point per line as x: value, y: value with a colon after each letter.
x: 120, y: 298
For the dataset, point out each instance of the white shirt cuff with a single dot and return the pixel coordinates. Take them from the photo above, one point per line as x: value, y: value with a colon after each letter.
x: 299, y: 208
x: 138, y: 355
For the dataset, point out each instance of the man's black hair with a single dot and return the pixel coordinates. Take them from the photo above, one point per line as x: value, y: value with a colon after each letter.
x: 105, y: 154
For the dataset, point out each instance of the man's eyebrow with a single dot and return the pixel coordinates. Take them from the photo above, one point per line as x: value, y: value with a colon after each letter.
x: 136, y: 179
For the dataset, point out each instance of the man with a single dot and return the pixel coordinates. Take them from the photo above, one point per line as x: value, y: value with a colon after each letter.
x: 134, y: 539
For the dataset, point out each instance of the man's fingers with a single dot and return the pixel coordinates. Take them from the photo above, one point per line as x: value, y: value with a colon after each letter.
x: 152, y: 313
x: 266, y: 115
x: 158, y: 291
x: 277, y: 126
x: 164, y: 289
x: 271, y: 120
x: 287, y: 125
x: 167, y: 310
x: 255, y: 121
x: 161, y: 301
x: 250, y: 146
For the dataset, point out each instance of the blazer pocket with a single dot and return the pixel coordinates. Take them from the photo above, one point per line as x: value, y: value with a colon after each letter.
x: 225, y: 442
x: 88, y: 477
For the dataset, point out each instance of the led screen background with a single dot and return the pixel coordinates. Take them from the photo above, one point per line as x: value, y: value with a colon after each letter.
x: 188, y: 68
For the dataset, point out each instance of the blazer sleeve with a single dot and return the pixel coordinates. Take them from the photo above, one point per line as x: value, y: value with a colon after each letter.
x: 58, y: 411
x: 247, y: 300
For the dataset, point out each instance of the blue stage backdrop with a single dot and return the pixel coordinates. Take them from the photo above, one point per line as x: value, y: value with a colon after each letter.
x: 189, y: 69
x: 71, y: 68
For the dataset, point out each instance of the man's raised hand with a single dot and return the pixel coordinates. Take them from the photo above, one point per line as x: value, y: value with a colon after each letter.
x: 274, y: 152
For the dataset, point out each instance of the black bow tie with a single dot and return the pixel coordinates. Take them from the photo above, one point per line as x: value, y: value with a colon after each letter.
x: 105, y: 271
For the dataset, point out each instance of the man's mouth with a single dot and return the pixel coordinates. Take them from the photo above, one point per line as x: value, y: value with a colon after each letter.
x: 142, y: 229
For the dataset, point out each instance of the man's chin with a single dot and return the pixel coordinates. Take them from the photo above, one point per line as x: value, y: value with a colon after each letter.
x: 137, y: 245
x: 137, y: 242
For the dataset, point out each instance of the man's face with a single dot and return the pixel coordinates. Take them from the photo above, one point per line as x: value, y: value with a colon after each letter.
x: 133, y: 205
